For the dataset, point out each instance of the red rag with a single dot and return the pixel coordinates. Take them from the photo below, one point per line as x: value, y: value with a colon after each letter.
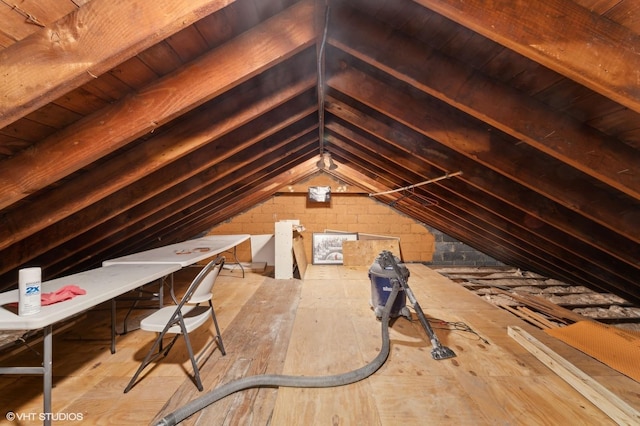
x: 64, y: 293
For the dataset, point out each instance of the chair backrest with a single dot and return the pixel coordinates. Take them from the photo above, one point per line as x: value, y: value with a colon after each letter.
x: 200, y: 289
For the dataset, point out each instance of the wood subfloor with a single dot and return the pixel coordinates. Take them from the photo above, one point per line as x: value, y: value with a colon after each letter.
x: 322, y: 325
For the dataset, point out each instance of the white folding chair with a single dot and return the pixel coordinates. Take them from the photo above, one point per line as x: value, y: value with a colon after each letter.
x: 182, y: 319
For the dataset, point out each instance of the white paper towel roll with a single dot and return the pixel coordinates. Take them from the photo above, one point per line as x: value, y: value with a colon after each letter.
x: 29, y: 285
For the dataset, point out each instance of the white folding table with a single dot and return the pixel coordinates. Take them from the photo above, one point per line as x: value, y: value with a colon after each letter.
x: 184, y: 253
x: 101, y: 284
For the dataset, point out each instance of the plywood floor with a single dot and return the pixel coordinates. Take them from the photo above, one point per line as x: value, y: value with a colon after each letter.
x: 320, y: 326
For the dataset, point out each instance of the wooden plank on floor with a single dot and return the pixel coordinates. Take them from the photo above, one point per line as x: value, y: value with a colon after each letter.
x: 256, y: 343
x: 528, y: 400
x: 324, y: 342
x: 607, y: 401
x: 437, y: 400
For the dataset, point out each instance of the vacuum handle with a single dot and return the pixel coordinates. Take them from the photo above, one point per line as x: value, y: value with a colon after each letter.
x: 388, y: 257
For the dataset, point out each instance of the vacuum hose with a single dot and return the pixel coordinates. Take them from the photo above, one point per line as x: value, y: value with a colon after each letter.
x: 276, y: 380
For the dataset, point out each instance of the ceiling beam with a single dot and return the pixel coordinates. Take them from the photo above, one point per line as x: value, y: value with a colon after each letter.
x: 492, y: 149
x: 160, y: 185
x: 159, y: 151
x: 556, y: 134
x: 86, y: 43
x: 99, y: 134
x: 537, y: 209
x: 561, y: 35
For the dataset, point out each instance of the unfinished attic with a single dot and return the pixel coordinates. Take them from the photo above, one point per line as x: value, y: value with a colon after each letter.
x: 491, y: 147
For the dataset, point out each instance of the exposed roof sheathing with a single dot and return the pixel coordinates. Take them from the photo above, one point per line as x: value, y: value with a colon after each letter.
x: 124, y: 124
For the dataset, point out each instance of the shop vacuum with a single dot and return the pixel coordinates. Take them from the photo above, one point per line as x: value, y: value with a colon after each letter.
x: 384, y: 273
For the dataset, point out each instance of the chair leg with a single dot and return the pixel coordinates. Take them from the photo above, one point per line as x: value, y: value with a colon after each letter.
x: 150, y: 357
x: 218, y: 335
x: 196, y: 370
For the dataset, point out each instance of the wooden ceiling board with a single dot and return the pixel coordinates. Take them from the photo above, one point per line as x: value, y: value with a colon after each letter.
x: 216, y: 103
x: 188, y: 44
x: 161, y: 58
x: 53, y: 116
x: 625, y: 13
x: 80, y: 101
x: 27, y: 130
x: 497, y: 186
x: 621, y: 123
x: 489, y: 148
x: 134, y: 73
x: 515, y: 229
x: 222, y: 26
x: 10, y: 144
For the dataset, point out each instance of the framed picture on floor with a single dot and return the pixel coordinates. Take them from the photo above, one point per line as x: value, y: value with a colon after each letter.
x: 327, y: 247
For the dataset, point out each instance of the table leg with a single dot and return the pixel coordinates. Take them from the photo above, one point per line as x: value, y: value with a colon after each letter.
x: 47, y: 364
x: 113, y: 326
x: 173, y: 294
x: 236, y: 259
x: 46, y: 370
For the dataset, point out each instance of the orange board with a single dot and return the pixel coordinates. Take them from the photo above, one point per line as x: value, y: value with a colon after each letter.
x: 615, y: 347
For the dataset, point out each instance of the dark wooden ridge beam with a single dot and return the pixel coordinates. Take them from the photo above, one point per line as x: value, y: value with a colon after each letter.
x: 114, y: 126
x: 561, y: 35
x: 491, y: 149
x: 524, y: 118
x: 87, y: 43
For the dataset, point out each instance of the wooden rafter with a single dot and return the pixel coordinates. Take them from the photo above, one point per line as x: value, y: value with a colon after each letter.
x: 505, y: 108
x: 118, y: 124
x: 563, y: 36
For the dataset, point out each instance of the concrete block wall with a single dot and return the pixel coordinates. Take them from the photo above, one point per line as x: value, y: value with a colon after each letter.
x: 451, y: 252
